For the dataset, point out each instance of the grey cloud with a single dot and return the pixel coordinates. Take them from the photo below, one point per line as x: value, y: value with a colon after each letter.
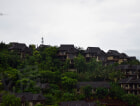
x: 1, y: 14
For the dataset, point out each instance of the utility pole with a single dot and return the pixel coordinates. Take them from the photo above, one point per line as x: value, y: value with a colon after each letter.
x: 42, y: 40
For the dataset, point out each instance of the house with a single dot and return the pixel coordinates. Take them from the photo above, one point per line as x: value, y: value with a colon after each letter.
x: 123, y: 58
x: 94, y: 85
x: 130, y: 85
x: 64, y: 49
x: 67, y: 52
x: 77, y: 103
x: 132, y: 58
x: 42, y: 47
x: 95, y: 52
x: 20, y: 48
x: 31, y: 99
x: 130, y: 70
x: 114, y: 56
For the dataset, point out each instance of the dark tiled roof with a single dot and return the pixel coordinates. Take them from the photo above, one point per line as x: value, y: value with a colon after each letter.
x: 132, y: 58
x: 123, y: 55
x: 129, y: 80
x: 129, y: 67
x: 93, y: 50
x: 30, y: 97
x: 19, y: 46
x: 66, y: 47
x: 98, y: 84
x: 113, y: 53
x: 77, y: 103
x: 103, y: 53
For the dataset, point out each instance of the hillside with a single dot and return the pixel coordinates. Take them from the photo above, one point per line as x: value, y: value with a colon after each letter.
x: 53, y: 75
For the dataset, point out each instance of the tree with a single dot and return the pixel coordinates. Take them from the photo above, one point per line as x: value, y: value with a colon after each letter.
x: 80, y: 63
x: 49, y: 59
x: 3, y: 46
x: 8, y: 77
x: 92, y: 65
x: 66, y: 65
x: 70, y: 75
x: 10, y: 100
x: 25, y: 85
x: 49, y: 76
x: 116, y: 91
x: 68, y: 96
x: 131, y: 99
x: 39, y: 105
x: 49, y: 99
x: 102, y: 92
x: 68, y: 83
x: 37, y: 56
x: 87, y: 91
x: 115, y: 75
x: 8, y: 59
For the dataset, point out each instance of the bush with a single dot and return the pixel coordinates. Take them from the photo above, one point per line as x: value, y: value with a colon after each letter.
x: 68, y: 96
x: 87, y: 91
x: 131, y: 99
x: 101, y: 92
x: 116, y: 91
x: 10, y: 100
x: 49, y: 99
x: 38, y: 105
x: 81, y: 96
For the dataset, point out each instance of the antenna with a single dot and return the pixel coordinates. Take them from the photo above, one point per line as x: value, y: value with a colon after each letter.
x: 42, y: 40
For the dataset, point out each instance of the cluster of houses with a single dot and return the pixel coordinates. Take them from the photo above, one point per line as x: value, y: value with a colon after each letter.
x: 112, y: 56
x: 131, y: 83
x: 70, y: 52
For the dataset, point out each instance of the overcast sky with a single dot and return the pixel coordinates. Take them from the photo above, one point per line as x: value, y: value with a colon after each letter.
x: 108, y: 24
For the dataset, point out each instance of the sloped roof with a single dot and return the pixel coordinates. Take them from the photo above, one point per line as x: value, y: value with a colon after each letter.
x: 123, y: 55
x: 93, y: 50
x: 102, y: 53
x: 19, y: 46
x: 130, y: 67
x: 132, y: 58
x: 97, y: 84
x: 129, y: 80
x: 30, y: 97
x: 113, y: 53
x: 77, y: 103
x: 66, y: 47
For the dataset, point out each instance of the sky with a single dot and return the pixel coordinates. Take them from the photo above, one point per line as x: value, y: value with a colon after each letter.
x: 108, y: 24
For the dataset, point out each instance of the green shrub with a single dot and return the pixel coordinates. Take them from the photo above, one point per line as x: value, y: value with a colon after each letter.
x: 10, y: 100
x: 131, y: 99
x: 101, y: 92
